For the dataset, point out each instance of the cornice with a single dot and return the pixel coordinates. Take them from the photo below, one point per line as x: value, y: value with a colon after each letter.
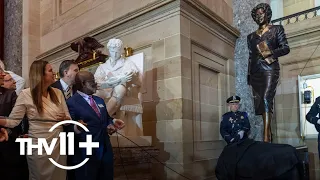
x: 152, y: 13
x: 205, y: 11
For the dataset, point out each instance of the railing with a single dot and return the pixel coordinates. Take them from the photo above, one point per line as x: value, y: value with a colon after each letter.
x: 300, y: 16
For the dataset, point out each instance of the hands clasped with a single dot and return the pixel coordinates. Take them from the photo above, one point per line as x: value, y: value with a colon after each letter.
x: 62, y: 117
x: 118, y: 124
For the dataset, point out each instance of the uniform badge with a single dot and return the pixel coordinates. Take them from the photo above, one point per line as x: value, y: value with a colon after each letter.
x: 231, y: 120
x: 242, y: 117
x: 100, y: 105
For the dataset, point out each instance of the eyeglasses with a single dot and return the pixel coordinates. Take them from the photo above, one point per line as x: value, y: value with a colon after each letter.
x: 9, y: 80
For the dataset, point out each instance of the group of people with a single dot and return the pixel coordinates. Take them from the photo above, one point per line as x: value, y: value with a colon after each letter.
x: 69, y: 98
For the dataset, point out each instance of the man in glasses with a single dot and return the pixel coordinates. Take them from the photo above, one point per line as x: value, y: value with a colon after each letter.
x: 9, y: 82
x: 15, y: 165
x: 20, y: 82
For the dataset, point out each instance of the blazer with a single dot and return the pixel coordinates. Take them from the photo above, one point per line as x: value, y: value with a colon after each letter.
x: 79, y: 109
x: 312, y: 114
x: 277, y: 43
x: 7, y: 101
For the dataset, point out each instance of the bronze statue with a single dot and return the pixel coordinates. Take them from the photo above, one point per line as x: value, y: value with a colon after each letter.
x: 88, y: 52
x: 265, y: 46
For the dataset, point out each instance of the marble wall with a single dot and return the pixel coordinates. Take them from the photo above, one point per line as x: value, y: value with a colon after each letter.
x: 243, y: 21
x: 63, y: 20
x: 294, y: 6
x: 13, y: 35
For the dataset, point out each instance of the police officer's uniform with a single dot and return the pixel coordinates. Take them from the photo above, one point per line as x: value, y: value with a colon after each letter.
x: 313, y: 119
x: 234, y: 122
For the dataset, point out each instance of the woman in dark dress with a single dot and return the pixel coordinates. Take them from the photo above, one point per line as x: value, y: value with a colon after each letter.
x: 265, y: 46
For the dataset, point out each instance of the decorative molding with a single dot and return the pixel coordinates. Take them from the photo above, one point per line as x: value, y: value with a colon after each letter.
x: 301, y: 61
x: 153, y: 13
x: 61, y: 11
x: 207, y: 19
x: 209, y: 50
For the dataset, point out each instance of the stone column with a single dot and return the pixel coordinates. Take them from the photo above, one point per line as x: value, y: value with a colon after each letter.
x: 13, y: 35
x: 30, y: 35
x: 244, y: 23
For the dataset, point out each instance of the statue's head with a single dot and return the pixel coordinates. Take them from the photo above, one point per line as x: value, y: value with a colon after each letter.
x: 262, y: 14
x: 115, y: 46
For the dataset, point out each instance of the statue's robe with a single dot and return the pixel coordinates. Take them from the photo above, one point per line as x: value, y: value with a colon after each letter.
x: 131, y: 108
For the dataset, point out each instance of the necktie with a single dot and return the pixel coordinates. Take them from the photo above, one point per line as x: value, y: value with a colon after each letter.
x: 94, y: 106
x: 68, y: 92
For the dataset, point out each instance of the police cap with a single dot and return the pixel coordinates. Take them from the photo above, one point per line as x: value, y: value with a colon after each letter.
x: 233, y: 99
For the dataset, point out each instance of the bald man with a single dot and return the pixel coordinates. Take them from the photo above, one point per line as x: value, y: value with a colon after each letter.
x: 91, y: 111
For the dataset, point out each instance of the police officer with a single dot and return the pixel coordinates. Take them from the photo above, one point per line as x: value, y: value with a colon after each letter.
x: 235, y: 124
x: 313, y: 119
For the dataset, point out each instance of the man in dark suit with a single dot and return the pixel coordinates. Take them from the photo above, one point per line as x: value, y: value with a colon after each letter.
x: 312, y: 117
x: 67, y: 72
x: 13, y: 165
x: 92, y: 111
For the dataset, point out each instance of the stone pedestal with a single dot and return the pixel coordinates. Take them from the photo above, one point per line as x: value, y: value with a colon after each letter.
x: 13, y: 35
x: 134, y: 163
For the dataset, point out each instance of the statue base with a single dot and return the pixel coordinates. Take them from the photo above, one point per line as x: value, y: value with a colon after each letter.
x: 132, y: 161
x: 304, y: 163
x: 120, y: 141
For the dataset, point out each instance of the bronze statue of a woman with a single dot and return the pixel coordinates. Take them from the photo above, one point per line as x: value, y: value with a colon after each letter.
x: 265, y: 46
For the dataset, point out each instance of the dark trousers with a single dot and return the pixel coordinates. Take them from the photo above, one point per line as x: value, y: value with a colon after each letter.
x: 97, y: 168
x: 13, y: 166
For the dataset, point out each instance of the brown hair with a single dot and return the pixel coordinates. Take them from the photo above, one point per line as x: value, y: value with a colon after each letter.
x: 36, y: 79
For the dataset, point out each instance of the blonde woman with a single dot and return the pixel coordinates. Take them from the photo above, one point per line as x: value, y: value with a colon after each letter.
x: 41, y: 101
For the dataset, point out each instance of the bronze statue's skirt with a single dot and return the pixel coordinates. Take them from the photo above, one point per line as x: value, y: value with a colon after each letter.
x: 264, y: 85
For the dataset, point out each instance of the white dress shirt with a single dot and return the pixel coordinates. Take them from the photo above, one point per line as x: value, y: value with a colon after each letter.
x: 86, y: 97
x: 64, y: 85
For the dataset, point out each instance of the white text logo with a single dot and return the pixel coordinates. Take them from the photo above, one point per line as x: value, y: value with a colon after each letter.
x: 42, y: 142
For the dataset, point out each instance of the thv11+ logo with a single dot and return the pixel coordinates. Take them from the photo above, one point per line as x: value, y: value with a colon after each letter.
x: 42, y: 142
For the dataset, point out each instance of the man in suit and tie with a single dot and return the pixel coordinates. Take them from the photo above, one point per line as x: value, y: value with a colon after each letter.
x: 67, y: 72
x: 92, y: 111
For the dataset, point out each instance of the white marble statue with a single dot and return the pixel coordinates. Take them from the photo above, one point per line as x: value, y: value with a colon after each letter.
x: 119, y: 82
